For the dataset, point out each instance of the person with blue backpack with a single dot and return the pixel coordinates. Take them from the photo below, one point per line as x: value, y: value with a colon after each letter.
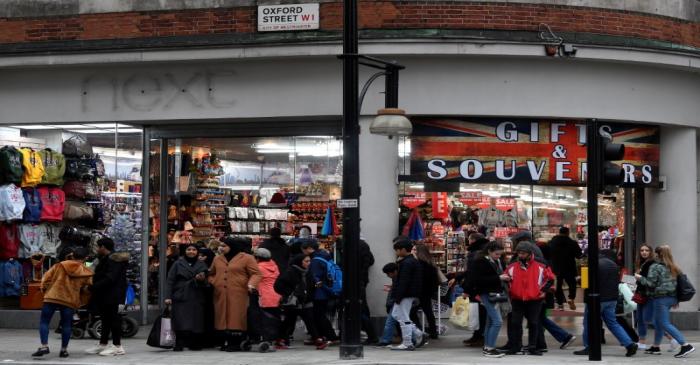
x: 328, y: 285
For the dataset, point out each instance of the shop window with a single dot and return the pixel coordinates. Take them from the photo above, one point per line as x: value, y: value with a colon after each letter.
x: 80, y: 182
x: 244, y: 187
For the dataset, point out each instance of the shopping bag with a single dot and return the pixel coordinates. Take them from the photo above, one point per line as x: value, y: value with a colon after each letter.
x: 167, y: 335
x: 473, y: 324
x: 460, y: 312
x: 162, y: 334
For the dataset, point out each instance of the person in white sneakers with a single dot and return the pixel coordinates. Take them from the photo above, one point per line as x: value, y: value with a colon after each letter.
x: 108, y: 291
x: 406, y: 290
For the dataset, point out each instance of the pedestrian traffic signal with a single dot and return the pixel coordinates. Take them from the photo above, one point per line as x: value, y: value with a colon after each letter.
x: 611, y: 175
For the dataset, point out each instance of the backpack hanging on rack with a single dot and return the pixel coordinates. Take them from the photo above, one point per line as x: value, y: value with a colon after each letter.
x: 77, y: 146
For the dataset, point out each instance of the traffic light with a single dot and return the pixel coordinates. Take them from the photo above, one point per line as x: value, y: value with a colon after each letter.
x: 611, y: 175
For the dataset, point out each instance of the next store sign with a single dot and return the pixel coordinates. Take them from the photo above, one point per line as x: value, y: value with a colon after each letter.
x: 287, y: 17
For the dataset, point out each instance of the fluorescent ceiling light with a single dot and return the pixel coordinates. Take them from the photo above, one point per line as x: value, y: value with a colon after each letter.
x: 92, y: 131
x: 416, y: 186
x: 33, y: 127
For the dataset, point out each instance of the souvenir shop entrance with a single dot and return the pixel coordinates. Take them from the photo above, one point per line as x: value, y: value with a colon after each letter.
x: 499, y: 176
x: 211, y: 180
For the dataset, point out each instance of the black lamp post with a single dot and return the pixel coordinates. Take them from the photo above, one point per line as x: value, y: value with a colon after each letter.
x: 386, y: 123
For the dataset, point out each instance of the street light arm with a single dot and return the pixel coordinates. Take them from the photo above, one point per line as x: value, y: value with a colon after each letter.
x: 366, y: 87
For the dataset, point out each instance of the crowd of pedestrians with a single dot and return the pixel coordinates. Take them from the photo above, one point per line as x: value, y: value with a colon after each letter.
x: 209, y: 295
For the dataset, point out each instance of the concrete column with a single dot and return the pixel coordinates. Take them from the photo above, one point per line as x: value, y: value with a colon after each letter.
x: 378, y: 207
x: 672, y: 214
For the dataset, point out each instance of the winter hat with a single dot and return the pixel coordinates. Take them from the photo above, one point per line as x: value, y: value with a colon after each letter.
x: 525, y: 246
x: 263, y: 253
x: 522, y: 236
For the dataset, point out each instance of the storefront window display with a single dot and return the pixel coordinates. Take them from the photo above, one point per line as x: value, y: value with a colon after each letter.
x: 502, y: 176
x: 66, y: 185
x: 244, y: 187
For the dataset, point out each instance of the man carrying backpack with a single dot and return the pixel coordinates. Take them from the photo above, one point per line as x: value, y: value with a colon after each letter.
x: 327, y: 279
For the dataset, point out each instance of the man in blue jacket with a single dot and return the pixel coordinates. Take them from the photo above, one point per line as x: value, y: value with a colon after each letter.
x: 318, y: 274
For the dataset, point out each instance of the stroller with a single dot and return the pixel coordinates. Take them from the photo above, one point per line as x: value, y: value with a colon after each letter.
x: 86, y: 322
x: 263, y: 327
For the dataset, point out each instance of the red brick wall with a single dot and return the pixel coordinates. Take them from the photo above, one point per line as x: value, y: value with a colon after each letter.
x: 372, y: 15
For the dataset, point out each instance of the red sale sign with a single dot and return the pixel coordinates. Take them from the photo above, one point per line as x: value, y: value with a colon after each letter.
x: 414, y: 201
x: 485, y: 202
x: 505, y: 204
x: 440, y: 207
x: 471, y: 198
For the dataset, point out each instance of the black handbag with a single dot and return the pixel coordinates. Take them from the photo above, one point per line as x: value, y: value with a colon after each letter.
x: 154, y: 336
x: 498, y: 297
x: 684, y: 289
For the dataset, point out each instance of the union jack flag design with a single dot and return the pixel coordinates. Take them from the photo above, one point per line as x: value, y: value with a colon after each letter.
x: 543, y: 152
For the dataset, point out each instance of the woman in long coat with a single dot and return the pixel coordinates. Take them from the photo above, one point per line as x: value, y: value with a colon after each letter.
x: 186, y: 292
x: 234, y: 274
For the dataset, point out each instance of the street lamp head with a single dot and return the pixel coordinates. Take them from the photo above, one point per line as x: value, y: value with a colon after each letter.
x: 391, y: 122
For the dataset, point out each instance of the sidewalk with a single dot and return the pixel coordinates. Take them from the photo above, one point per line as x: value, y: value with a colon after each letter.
x: 17, y: 345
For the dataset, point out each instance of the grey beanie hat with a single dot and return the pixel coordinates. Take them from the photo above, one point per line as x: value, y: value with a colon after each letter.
x: 263, y: 253
x: 525, y: 246
x: 522, y: 235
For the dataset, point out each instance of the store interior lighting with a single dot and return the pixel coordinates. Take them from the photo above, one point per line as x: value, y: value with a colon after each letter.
x: 302, y: 147
x: 87, y: 128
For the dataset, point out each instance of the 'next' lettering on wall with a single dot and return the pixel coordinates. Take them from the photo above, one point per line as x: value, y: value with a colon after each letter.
x: 153, y: 91
x: 524, y: 151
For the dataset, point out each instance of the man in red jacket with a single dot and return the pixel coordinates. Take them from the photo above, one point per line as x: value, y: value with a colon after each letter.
x: 530, y: 280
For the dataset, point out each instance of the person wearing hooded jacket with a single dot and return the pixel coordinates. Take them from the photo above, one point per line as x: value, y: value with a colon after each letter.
x: 64, y: 286
x: 530, y: 281
x: 318, y: 275
x: 108, y: 292
x: 297, y: 301
x: 233, y: 274
x: 406, y: 289
x: 186, y: 292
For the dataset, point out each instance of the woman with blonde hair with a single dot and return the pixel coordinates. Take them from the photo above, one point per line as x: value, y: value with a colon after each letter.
x: 661, y: 283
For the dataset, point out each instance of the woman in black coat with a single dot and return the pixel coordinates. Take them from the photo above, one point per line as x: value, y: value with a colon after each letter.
x: 211, y: 337
x: 186, y: 292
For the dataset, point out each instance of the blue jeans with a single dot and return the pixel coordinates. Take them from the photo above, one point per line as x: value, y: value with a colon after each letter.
x: 493, y: 321
x: 607, y: 313
x: 47, y: 311
x: 662, y: 320
x: 557, y: 332
x: 644, y: 316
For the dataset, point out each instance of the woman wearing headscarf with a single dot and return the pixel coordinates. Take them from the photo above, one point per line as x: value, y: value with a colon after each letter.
x: 233, y: 274
x: 186, y: 292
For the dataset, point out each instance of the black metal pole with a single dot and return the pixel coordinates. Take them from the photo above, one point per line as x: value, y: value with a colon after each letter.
x: 351, y: 346
x: 593, y: 182
x: 391, y: 87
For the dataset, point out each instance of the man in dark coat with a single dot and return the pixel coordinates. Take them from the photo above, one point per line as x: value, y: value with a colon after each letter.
x: 608, y: 292
x: 477, y: 243
x: 108, y: 292
x: 564, y: 252
x: 407, y: 289
x: 278, y: 248
x: 366, y: 261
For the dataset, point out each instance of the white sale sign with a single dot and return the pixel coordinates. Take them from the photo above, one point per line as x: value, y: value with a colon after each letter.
x: 288, y: 17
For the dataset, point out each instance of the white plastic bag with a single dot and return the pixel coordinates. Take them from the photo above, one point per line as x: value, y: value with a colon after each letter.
x: 167, y: 335
x: 473, y: 317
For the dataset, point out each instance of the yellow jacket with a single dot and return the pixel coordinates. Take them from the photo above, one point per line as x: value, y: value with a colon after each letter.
x: 33, y: 167
x: 66, y: 284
